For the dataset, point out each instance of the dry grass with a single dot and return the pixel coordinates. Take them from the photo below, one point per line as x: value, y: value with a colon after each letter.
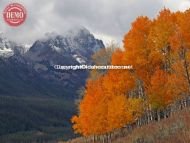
x: 175, y: 129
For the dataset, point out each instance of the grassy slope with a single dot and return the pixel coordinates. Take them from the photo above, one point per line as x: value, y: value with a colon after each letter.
x: 175, y: 129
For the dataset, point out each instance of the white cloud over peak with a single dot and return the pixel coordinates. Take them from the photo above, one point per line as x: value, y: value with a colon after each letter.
x: 107, y: 19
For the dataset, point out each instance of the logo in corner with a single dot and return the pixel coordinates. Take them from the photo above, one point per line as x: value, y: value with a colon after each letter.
x: 14, y: 14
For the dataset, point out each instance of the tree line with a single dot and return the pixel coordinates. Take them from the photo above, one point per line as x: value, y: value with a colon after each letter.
x: 159, y: 51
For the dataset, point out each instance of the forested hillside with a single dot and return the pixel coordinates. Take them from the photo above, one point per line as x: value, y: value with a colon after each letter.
x: 158, y: 85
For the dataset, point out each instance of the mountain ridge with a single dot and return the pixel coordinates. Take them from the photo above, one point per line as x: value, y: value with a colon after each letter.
x: 34, y: 95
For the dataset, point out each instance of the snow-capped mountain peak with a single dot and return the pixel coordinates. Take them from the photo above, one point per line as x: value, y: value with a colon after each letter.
x: 5, y: 46
x: 78, y: 44
x: 8, y: 48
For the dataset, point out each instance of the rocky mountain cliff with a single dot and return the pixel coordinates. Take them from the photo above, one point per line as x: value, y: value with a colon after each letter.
x: 73, y: 48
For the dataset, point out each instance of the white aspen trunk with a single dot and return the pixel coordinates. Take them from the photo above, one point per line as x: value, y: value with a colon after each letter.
x: 158, y: 115
x: 185, y: 102
x: 103, y: 139
x: 151, y: 115
x: 165, y: 113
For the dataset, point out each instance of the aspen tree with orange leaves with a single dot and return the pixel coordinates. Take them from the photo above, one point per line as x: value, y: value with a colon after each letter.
x: 137, y: 50
x: 159, y: 52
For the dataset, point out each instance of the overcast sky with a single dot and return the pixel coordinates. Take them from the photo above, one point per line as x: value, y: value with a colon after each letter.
x: 108, y: 20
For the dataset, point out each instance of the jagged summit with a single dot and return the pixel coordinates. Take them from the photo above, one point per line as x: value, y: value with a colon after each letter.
x: 76, y: 43
x: 6, y: 46
x: 74, y: 47
x: 9, y: 48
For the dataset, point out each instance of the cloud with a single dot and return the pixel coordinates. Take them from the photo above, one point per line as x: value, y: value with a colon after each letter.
x: 107, y: 19
x: 176, y: 5
x: 184, y: 5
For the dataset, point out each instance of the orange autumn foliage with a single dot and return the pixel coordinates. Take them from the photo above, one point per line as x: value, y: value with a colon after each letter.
x: 159, y: 51
x: 161, y: 91
x: 136, y: 48
x: 103, y: 109
x: 93, y: 111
